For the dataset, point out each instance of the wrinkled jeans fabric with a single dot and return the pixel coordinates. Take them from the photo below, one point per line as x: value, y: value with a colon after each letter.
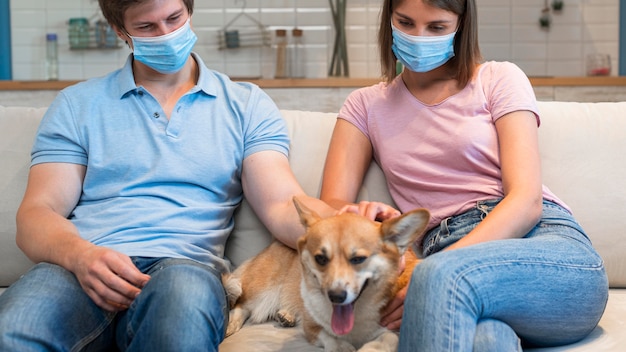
x: 182, y: 308
x: 548, y: 288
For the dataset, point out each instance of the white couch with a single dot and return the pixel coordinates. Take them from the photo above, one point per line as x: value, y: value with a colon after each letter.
x: 582, y: 146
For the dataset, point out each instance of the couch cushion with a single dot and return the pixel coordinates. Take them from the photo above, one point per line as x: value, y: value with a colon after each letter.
x: 607, y: 336
x: 17, y: 130
x: 582, y: 147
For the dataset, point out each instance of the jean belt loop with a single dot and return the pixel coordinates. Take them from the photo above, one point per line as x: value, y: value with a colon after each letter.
x: 484, y: 209
x: 443, y: 226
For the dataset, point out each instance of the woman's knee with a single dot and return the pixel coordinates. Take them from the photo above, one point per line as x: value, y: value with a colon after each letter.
x: 495, y: 336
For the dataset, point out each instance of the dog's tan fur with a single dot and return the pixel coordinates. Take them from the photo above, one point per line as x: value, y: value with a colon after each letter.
x: 346, y: 257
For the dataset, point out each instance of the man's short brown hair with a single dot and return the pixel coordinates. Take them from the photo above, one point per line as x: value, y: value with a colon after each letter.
x: 114, y: 10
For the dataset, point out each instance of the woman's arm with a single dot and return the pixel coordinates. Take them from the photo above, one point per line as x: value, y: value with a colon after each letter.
x: 520, y: 209
x: 349, y: 157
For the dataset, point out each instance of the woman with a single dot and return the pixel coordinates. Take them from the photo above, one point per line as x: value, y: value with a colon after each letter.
x: 129, y: 203
x: 506, y: 263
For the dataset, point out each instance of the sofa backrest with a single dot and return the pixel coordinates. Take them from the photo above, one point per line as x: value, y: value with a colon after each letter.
x: 581, y: 148
x: 582, y: 152
x: 17, y: 131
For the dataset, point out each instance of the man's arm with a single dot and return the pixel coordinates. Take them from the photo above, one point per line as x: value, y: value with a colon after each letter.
x: 269, y: 186
x: 46, y: 235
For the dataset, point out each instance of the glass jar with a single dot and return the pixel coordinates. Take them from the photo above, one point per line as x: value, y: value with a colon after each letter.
x: 598, y: 65
x: 298, y: 60
x: 79, y: 33
x: 281, y: 54
x: 52, y: 58
x: 105, y: 35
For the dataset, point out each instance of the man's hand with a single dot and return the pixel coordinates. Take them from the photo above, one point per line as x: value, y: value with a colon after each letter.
x: 109, y: 277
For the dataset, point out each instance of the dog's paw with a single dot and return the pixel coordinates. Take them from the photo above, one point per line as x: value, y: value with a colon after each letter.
x: 286, y: 319
x: 232, y: 286
x: 387, y: 342
x: 333, y: 344
x: 236, y: 319
x: 343, y: 346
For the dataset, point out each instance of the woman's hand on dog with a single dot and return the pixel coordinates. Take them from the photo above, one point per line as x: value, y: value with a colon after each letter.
x: 392, y: 315
x: 375, y: 211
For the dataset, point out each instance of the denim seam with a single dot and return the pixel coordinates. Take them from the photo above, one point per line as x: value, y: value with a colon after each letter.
x: 586, y: 243
x: 95, y: 333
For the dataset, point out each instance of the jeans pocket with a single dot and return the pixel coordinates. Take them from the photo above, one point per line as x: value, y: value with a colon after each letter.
x: 432, y: 240
x: 454, y: 228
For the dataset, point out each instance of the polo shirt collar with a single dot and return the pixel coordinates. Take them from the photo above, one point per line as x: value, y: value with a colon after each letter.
x: 207, y: 82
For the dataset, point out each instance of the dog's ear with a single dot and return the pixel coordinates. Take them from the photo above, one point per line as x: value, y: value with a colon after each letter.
x: 405, y: 229
x: 307, y: 216
x: 301, y: 243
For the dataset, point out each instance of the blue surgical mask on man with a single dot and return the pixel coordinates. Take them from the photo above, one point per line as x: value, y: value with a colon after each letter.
x: 422, y: 53
x: 166, y: 53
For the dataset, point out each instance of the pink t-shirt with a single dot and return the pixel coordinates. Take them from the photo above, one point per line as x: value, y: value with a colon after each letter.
x: 443, y: 157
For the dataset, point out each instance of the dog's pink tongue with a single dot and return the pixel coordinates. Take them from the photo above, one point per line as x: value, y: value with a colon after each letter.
x: 343, y: 318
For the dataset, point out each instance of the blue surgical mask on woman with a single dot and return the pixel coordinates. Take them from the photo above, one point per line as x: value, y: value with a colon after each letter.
x: 422, y: 53
x: 166, y: 53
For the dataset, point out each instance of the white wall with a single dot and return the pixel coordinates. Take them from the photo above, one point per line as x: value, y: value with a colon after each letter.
x: 509, y: 30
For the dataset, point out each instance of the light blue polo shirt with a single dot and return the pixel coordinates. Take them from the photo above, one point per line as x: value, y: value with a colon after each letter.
x: 156, y: 187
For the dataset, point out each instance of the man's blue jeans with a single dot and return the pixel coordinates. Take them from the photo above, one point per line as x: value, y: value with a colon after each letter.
x: 548, y: 288
x: 182, y: 308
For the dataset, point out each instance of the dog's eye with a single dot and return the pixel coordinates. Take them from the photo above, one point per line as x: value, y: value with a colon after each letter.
x: 357, y: 260
x: 321, y: 259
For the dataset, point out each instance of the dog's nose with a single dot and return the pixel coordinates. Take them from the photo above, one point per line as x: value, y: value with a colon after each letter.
x: 337, y: 296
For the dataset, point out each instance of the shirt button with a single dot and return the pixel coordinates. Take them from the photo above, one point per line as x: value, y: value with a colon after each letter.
x: 140, y: 93
x: 156, y: 115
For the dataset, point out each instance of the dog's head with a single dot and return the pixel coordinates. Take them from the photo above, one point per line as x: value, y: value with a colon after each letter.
x: 349, y: 256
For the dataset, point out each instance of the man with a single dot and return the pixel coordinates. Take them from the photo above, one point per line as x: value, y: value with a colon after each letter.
x: 134, y: 180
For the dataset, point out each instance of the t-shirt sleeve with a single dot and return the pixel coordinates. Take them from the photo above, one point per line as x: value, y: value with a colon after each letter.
x: 354, y: 110
x: 265, y: 129
x: 508, y: 89
x: 57, y: 138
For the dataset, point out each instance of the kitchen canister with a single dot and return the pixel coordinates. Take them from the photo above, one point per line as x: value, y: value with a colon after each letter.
x: 105, y: 35
x: 79, y: 33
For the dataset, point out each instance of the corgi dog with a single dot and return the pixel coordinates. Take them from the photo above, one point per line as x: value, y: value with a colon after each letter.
x: 345, y: 271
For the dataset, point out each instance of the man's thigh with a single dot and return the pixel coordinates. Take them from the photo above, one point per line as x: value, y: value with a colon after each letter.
x: 47, y: 309
x: 183, y: 304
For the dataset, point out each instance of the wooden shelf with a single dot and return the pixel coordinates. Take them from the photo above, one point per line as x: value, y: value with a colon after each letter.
x: 333, y: 82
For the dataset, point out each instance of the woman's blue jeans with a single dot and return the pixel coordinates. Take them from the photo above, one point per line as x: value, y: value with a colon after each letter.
x: 548, y: 288
x: 182, y: 308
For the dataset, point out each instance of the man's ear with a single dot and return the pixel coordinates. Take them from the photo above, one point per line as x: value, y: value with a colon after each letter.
x: 122, y: 35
